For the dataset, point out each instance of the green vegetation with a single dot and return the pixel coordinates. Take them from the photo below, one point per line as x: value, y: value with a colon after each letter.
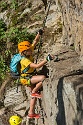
x: 72, y: 46
x: 37, y: 17
x: 29, y: 5
x: 13, y: 34
x: 16, y: 35
x: 14, y: 4
x: 3, y: 5
x: 3, y: 68
x: 3, y: 28
x: 59, y: 28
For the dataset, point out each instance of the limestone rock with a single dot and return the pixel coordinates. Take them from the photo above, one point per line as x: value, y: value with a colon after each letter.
x: 13, y: 98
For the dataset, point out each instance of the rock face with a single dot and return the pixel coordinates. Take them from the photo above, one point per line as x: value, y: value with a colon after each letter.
x: 1, y: 122
x: 11, y: 95
x: 62, y: 102
x: 72, y: 16
x: 61, y: 94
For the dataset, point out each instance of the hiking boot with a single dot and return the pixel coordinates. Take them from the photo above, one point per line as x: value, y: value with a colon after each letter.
x: 37, y: 95
x: 33, y: 115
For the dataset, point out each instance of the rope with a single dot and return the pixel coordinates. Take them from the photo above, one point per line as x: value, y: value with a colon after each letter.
x: 44, y: 22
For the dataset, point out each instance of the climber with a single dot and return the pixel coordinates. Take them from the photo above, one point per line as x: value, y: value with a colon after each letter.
x: 15, y: 120
x: 31, y: 79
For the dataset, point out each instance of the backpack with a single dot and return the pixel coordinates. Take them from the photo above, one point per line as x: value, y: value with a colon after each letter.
x: 15, y: 66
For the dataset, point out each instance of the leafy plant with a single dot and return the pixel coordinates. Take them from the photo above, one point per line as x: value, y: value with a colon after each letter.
x: 3, y: 27
x: 3, y: 68
x: 3, y: 5
x: 72, y: 46
x: 16, y: 35
x: 14, y: 4
x: 29, y: 4
x: 37, y: 17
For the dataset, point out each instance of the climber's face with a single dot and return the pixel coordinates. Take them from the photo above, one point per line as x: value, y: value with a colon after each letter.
x: 29, y: 52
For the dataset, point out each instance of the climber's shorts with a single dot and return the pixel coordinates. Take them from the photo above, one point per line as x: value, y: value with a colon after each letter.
x: 26, y: 80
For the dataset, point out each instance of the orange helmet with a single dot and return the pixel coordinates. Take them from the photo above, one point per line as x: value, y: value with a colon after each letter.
x: 25, y: 45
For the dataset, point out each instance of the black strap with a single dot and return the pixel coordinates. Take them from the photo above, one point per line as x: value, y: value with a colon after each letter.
x: 32, y: 73
x: 26, y: 69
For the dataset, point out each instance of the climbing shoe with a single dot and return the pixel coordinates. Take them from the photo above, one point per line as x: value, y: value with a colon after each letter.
x: 37, y: 95
x: 34, y: 116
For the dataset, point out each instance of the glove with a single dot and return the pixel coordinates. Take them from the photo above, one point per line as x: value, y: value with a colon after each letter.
x: 49, y: 58
x: 41, y: 32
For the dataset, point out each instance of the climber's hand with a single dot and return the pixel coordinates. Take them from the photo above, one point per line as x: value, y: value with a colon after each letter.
x: 41, y: 32
x: 49, y: 57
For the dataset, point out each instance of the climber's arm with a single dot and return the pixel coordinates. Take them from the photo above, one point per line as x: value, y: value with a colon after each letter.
x: 48, y: 58
x: 33, y: 65
x: 36, y: 40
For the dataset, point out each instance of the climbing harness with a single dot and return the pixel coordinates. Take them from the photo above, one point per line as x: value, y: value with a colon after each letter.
x: 44, y: 22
